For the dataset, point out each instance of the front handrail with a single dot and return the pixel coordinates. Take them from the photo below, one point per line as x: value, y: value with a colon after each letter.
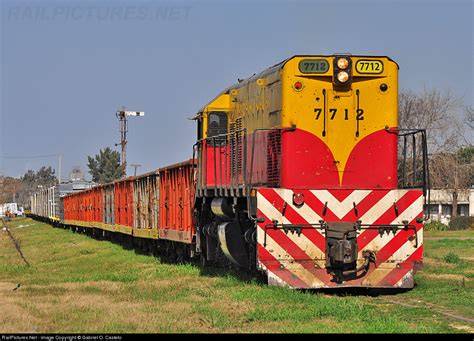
x: 407, y: 135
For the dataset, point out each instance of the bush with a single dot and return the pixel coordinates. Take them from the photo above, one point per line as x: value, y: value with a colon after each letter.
x: 461, y: 223
x: 435, y: 226
x: 452, y: 258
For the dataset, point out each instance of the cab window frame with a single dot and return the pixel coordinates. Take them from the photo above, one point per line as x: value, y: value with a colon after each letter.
x: 221, y: 118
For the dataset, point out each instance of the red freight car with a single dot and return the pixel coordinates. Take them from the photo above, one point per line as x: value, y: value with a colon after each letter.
x: 176, y: 202
x: 124, y: 205
x: 154, y: 205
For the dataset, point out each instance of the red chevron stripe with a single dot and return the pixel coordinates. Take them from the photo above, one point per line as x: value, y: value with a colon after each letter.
x: 317, y: 206
x: 396, y: 243
x: 299, y: 256
x: 365, y: 205
x: 397, y: 274
x: 275, y: 267
x: 295, y: 218
x: 288, y: 245
x: 386, y: 218
x: 341, y: 194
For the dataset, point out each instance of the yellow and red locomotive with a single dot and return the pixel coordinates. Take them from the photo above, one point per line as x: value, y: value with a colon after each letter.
x: 301, y: 160
x: 294, y: 174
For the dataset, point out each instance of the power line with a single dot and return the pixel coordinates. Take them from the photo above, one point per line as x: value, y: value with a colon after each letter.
x: 38, y: 157
x: 27, y: 157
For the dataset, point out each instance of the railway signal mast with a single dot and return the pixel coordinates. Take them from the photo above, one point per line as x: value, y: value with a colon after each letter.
x: 123, y: 115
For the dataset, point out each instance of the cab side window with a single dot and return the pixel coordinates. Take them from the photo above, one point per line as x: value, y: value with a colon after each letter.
x: 217, y: 125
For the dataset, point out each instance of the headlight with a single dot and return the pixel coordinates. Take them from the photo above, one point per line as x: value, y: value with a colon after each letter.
x: 342, y: 63
x: 342, y: 77
x: 342, y: 68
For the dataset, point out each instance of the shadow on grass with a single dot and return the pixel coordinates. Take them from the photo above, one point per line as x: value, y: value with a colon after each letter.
x: 224, y: 269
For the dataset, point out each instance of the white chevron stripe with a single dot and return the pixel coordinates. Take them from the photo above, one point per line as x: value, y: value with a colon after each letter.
x: 399, y: 256
x: 407, y: 249
x: 400, y: 283
x: 302, y: 241
x: 340, y: 209
x: 381, y: 206
x: 304, y: 211
x: 409, y: 214
x: 280, y: 254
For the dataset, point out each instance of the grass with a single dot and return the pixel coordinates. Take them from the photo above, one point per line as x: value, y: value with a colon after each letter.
x: 78, y: 284
x: 468, y: 233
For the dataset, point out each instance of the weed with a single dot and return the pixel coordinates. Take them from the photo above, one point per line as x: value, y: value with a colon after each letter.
x: 452, y: 258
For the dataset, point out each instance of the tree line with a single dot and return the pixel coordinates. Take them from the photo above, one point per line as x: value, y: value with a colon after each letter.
x: 449, y: 127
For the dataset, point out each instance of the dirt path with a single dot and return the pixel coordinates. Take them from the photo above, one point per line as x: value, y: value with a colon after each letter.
x: 15, y: 242
x: 456, y: 238
x: 433, y: 307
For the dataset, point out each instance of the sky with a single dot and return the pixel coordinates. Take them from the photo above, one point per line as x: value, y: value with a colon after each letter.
x: 67, y: 66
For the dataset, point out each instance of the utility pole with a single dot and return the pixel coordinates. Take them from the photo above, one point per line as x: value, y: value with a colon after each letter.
x: 135, y: 166
x: 59, y: 172
x: 122, y: 115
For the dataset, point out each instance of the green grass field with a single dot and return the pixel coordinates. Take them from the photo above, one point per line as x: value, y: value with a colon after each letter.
x: 78, y: 284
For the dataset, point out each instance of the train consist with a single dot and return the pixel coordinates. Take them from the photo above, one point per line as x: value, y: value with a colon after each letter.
x: 295, y: 174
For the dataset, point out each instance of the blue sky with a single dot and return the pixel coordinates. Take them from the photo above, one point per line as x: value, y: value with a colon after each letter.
x: 66, y: 66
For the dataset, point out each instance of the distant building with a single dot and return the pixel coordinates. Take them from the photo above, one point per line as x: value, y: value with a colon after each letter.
x: 73, y: 186
x: 76, y: 183
x: 441, y: 204
x: 76, y: 174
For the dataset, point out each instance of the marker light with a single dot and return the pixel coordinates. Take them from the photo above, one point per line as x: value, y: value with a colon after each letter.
x: 298, y: 199
x: 298, y: 85
x: 342, y: 63
x: 342, y: 77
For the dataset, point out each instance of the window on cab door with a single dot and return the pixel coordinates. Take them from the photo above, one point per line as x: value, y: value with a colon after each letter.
x: 217, y: 125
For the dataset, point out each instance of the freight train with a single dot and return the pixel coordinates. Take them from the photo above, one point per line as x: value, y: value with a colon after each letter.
x: 299, y: 173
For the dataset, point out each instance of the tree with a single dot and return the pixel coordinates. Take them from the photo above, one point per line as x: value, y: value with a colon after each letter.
x: 465, y: 159
x: 440, y: 113
x: 45, y: 176
x: 436, y: 111
x: 9, y: 188
x: 470, y: 117
x: 105, y: 166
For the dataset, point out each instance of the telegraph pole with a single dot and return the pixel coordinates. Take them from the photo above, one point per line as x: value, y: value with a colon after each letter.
x: 135, y: 166
x: 59, y: 172
x: 122, y: 115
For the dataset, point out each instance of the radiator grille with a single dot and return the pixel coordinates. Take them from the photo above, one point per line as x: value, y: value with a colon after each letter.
x: 273, y: 157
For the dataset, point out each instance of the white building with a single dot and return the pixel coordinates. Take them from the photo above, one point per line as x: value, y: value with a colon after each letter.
x: 441, y: 204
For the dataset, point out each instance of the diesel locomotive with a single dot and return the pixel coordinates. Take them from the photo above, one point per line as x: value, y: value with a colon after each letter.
x: 299, y: 172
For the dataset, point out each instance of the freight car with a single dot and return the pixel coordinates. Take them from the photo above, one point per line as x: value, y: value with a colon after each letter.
x: 299, y: 172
